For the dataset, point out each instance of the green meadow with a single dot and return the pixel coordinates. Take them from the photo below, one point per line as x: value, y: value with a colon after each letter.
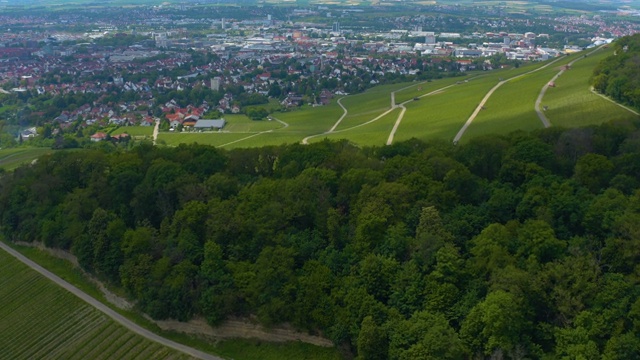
x: 441, y: 115
x: 571, y: 103
x: 512, y: 106
x: 375, y: 133
x: 15, y: 157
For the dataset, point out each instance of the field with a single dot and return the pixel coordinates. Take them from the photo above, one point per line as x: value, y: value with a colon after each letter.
x: 571, y: 103
x: 12, y: 158
x: 39, y: 320
x: 511, y: 107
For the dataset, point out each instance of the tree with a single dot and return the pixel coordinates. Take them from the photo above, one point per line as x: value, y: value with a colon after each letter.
x: 593, y: 171
x: 372, y: 341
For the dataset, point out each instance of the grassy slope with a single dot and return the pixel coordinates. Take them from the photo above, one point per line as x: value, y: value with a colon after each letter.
x: 237, y: 349
x: 375, y: 133
x: 511, y: 107
x: 41, y: 320
x: 571, y: 103
x: 441, y: 115
x: 12, y: 158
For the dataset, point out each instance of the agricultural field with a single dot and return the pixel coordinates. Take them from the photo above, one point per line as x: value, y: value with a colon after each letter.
x: 571, y: 103
x: 40, y: 320
x: 512, y: 106
x: 15, y: 157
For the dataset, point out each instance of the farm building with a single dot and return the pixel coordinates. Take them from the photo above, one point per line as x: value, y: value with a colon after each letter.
x: 204, y: 124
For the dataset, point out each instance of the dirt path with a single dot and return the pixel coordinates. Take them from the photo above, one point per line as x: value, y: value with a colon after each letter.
x: 541, y: 115
x: 156, y: 129
x: 488, y: 95
x: 397, y: 124
x: 242, y: 328
x: 107, y: 310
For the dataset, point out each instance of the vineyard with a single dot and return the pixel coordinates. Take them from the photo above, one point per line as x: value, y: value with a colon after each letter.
x: 39, y: 320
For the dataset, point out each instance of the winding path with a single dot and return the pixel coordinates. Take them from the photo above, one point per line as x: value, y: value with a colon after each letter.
x: 488, y: 95
x: 107, y: 310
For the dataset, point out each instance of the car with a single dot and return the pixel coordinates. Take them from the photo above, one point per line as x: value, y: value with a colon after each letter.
x: 416, y: 98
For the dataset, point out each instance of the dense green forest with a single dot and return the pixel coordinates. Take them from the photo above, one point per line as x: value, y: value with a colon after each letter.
x: 618, y: 76
x: 518, y: 246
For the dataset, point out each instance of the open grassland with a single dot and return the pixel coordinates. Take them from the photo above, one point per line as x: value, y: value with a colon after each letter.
x: 571, y: 103
x: 238, y: 349
x: 39, y: 320
x: 512, y: 106
x: 421, y: 88
x: 12, y: 158
x: 375, y: 133
x: 368, y: 105
x: 134, y: 131
x: 241, y: 123
x: 212, y: 138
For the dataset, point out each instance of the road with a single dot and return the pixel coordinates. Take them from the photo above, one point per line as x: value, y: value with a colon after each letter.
x: 107, y: 310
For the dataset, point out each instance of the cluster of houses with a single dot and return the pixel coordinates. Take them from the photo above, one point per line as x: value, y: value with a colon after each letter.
x: 190, y: 117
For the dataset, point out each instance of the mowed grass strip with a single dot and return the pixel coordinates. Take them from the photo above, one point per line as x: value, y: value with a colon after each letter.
x: 44, y: 321
x: 571, y: 103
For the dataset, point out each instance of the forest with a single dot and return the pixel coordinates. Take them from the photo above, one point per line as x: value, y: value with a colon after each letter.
x: 518, y: 246
x: 618, y: 76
